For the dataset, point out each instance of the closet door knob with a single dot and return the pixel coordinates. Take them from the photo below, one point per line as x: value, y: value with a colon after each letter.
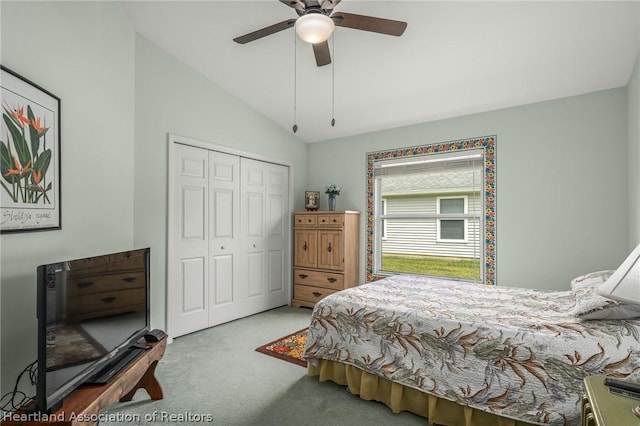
x: 221, y: 247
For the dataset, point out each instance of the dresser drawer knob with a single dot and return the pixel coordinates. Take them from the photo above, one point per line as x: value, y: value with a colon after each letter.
x: 332, y: 280
x: 108, y: 299
x: 85, y: 284
x: 129, y: 279
x: 303, y: 276
x: 316, y: 294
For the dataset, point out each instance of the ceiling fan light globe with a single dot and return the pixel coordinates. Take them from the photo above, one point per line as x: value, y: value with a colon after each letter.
x: 314, y: 27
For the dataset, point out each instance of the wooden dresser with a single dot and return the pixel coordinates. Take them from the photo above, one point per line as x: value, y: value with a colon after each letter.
x: 325, y: 254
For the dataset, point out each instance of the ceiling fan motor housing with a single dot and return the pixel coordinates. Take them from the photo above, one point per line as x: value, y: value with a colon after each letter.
x: 313, y: 9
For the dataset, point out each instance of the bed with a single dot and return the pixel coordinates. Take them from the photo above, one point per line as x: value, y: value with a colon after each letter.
x: 461, y: 353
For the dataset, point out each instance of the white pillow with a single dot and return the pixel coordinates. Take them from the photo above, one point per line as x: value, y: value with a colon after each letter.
x: 590, y: 279
x: 590, y: 305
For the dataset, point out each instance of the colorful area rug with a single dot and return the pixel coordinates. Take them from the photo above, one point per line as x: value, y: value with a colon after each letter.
x: 289, y: 348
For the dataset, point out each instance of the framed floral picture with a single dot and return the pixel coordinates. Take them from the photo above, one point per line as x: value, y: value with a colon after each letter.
x: 29, y: 156
x: 311, y: 200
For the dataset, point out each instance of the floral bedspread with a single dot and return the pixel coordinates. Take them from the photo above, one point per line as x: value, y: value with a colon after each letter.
x: 515, y: 352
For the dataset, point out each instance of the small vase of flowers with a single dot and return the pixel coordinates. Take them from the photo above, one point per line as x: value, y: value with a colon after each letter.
x: 333, y: 191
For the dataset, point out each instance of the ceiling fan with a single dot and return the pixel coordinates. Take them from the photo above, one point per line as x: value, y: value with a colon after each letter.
x: 315, y: 24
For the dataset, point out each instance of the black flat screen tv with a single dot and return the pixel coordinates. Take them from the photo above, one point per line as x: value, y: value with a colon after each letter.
x: 91, y: 312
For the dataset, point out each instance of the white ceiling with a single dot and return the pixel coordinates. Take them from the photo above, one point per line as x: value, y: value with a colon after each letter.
x: 455, y: 57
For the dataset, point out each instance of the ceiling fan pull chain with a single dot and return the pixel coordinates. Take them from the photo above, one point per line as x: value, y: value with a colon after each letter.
x: 333, y: 80
x: 295, y: 82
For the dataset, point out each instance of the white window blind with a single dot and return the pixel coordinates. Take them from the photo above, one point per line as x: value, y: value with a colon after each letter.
x: 429, y: 163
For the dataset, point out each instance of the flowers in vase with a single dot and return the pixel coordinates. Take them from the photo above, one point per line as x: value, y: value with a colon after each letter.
x: 333, y: 189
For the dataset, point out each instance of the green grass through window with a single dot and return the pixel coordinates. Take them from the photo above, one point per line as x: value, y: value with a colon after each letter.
x: 431, y: 265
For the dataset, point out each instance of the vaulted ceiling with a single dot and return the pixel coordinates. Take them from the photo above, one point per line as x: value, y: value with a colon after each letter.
x: 455, y: 57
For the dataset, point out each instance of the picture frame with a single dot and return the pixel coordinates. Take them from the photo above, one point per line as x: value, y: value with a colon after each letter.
x: 311, y: 200
x: 29, y: 156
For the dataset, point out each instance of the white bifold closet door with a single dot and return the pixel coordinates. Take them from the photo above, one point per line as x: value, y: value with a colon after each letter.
x: 224, y: 237
x: 264, y: 230
x: 229, y: 238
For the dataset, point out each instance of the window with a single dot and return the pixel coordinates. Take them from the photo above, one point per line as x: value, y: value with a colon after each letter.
x: 450, y: 229
x: 431, y: 210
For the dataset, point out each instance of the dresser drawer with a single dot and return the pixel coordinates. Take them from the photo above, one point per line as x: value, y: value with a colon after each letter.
x: 310, y: 293
x: 330, y: 220
x: 105, y: 304
x: 318, y: 279
x: 78, y: 286
x: 304, y: 220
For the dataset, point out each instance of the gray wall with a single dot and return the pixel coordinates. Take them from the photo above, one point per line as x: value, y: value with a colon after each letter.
x: 561, y: 170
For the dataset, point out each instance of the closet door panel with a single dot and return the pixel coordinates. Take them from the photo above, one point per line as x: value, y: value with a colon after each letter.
x: 255, y: 274
x: 277, y: 224
x: 194, y: 290
x: 222, y: 272
x: 255, y: 216
x: 224, y: 237
x: 275, y: 243
x: 222, y: 220
x: 253, y: 233
x: 276, y: 267
x: 193, y: 201
x: 189, y: 272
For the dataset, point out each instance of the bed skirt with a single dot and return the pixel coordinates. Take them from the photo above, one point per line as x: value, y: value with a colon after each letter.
x: 401, y: 398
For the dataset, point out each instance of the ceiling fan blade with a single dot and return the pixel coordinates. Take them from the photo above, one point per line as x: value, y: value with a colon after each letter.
x: 322, y: 53
x: 369, y: 23
x: 263, y: 32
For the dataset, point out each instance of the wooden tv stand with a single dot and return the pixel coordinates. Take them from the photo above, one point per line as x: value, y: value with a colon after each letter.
x: 83, y: 406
